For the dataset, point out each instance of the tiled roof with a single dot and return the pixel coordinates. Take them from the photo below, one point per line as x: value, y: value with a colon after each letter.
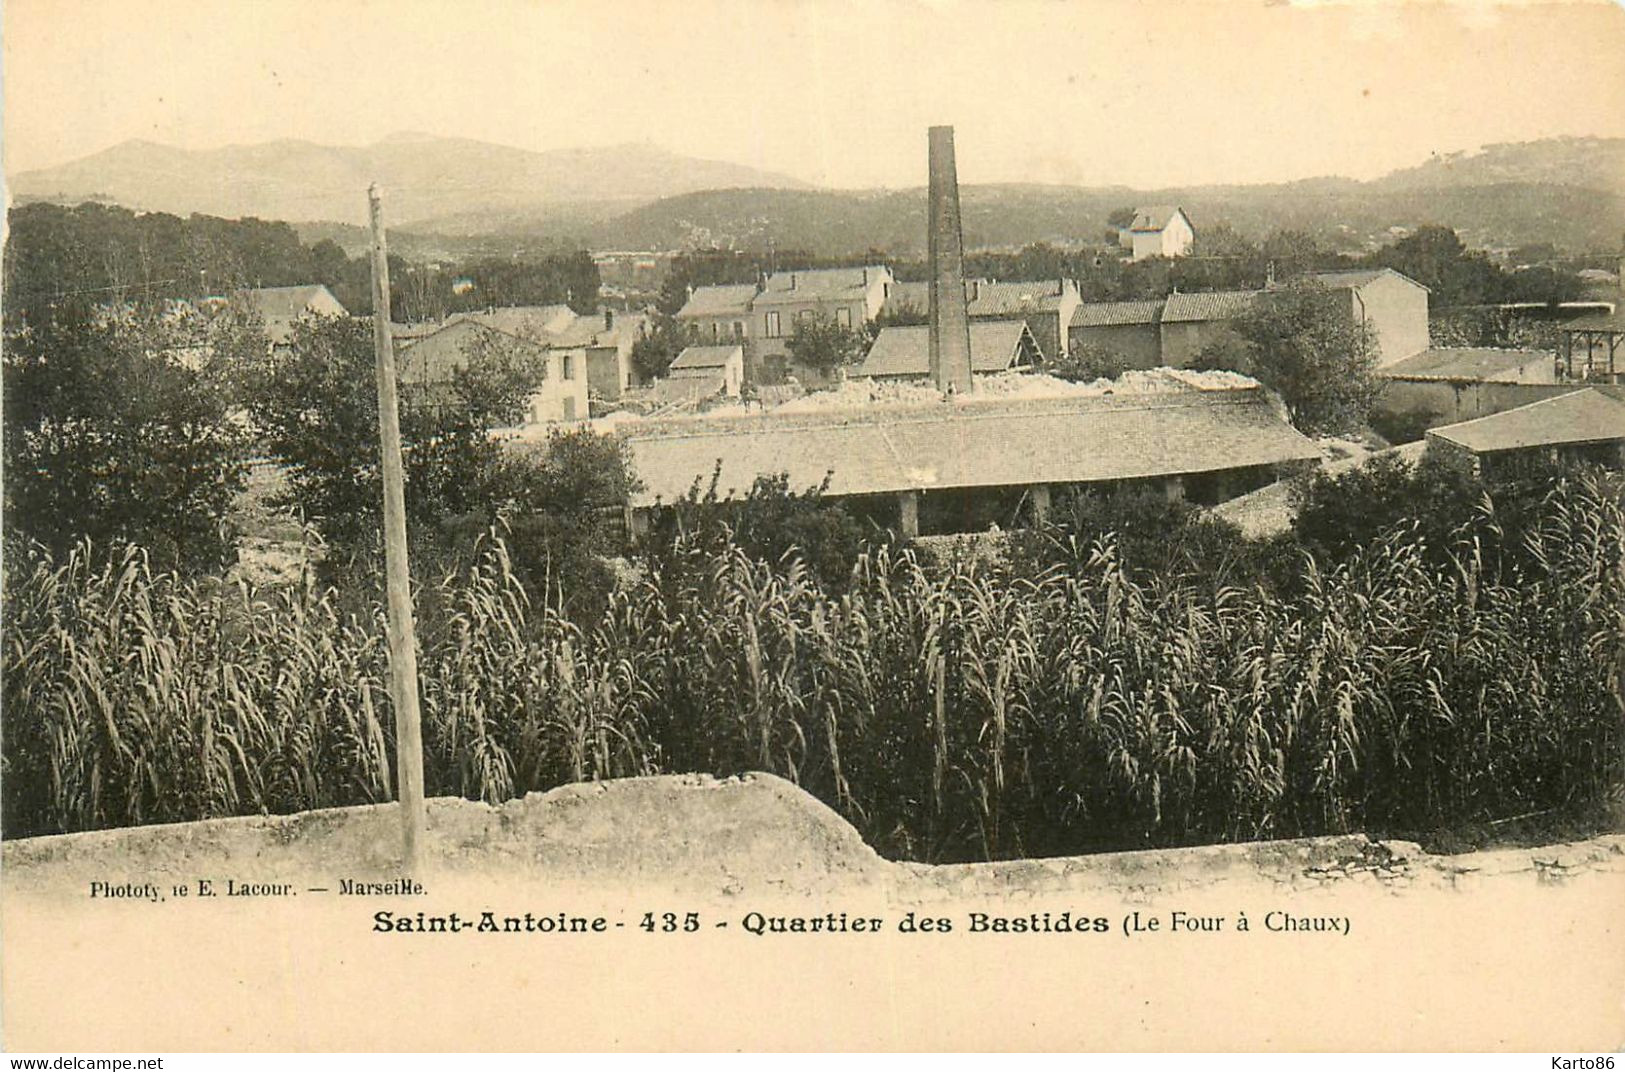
x: 1359, y: 277
x: 995, y: 345
x: 1116, y: 313
x: 915, y: 296
x: 721, y: 300
x: 286, y: 303
x: 969, y: 444
x: 686, y: 385
x: 1153, y: 217
x: 707, y: 357
x: 984, y: 297
x: 531, y: 321
x: 1583, y: 416
x: 589, y: 330
x: 810, y: 284
x: 279, y: 307
x: 1014, y: 299
x: 1464, y: 364
x: 1207, y: 305
x: 433, y: 358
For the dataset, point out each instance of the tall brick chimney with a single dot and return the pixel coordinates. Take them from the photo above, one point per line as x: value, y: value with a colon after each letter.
x: 950, y: 324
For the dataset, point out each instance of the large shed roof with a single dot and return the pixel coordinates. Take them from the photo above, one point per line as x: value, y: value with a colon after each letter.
x: 1584, y: 416
x: 1464, y: 364
x: 969, y: 444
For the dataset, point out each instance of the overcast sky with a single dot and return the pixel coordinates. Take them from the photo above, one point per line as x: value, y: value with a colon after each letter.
x: 836, y: 92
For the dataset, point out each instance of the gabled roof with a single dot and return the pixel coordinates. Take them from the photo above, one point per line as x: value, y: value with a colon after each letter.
x: 1584, y: 416
x: 1155, y: 217
x: 995, y: 345
x: 1207, y: 305
x: 1359, y: 277
x: 968, y: 444
x: 288, y: 303
x: 726, y: 299
x: 532, y: 321
x: 688, y: 385
x: 985, y: 297
x: 811, y: 284
x: 589, y: 330
x: 1116, y: 313
x: 279, y: 307
x: 707, y: 357
x: 1014, y: 299
x: 1464, y: 364
x: 435, y: 357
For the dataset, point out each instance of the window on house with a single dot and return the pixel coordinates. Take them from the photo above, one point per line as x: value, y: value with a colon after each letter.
x: 716, y: 331
x: 739, y: 329
x: 569, y: 366
x: 843, y: 317
x: 773, y: 328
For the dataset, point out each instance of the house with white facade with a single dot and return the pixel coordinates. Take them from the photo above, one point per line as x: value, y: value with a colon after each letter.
x: 1159, y: 231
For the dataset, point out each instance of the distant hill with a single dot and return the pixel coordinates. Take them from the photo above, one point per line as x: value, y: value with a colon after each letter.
x: 450, y: 196
x: 1342, y: 214
x: 1592, y: 163
x: 427, y: 177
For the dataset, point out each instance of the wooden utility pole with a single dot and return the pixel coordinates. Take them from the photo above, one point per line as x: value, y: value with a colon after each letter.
x: 403, y: 655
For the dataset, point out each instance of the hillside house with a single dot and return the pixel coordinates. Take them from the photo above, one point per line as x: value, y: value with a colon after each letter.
x: 429, y: 365
x: 904, y: 353
x: 280, y: 307
x: 1158, y: 231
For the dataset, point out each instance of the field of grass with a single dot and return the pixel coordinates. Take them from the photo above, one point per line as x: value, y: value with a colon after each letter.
x: 952, y: 710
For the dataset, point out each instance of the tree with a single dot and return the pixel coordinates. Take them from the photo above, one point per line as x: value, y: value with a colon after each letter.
x: 115, y: 430
x: 770, y: 523
x: 1300, y: 342
x: 315, y: 405
x: 1089, y: 362
x: 818, y: 342
x: 556, y: 503
x: 653, y: 353
x: 900, y: 314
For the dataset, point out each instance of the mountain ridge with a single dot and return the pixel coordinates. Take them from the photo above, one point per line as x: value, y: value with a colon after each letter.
x: 427, y: 175
x: 1566, y: 191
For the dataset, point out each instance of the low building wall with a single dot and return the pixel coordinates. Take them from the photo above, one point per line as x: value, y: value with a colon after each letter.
x: 1449, y: 402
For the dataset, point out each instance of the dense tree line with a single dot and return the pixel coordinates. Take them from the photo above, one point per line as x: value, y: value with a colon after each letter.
x: 99, y: 254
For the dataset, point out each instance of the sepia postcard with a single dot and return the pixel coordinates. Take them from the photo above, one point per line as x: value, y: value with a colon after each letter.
x: 813, y: 525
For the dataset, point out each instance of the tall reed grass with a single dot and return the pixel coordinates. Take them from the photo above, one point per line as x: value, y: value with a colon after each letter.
x: 955, y: 711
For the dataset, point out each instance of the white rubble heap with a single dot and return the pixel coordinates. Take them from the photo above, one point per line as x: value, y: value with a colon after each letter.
x: 868, y: 394
x: 863, y: 394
